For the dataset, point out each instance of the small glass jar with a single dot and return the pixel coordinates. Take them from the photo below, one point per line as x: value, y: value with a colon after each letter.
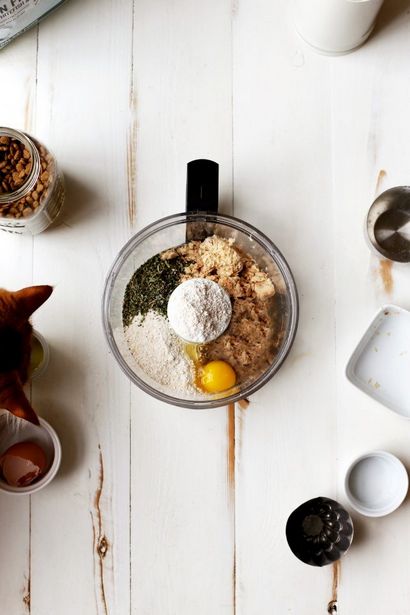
x: 31, y: 185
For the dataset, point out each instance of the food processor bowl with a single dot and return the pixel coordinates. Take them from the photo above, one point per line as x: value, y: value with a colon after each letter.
x: 173, y: 231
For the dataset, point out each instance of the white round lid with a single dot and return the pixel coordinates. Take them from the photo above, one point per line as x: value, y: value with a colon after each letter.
x: 376, y: 483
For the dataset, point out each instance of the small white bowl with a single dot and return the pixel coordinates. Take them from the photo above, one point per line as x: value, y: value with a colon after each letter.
x: 380, y: 364
x: 376, y: 484
x: 18, y: 430
x: 41, y: 368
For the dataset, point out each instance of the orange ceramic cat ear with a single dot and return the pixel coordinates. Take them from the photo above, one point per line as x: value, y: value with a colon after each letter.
x: 29, y: 299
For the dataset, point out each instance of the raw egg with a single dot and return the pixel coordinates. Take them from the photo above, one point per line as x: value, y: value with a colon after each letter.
x: 217, y: 376
x: 23, y: 463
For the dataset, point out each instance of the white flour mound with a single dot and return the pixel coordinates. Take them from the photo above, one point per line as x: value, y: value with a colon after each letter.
x: 160, y: 353
x: 199, y: 310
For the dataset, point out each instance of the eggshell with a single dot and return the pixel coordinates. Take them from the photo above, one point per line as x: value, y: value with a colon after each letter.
x: 23, y: 463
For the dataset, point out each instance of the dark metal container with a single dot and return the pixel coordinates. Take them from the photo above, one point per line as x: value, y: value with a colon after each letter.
x: 388, y: 224
x: 319, y: 531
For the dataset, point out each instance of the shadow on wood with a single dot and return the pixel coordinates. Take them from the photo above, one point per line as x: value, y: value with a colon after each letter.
x: 81, y: 203
x: 56, y: 409
x: 359, y: 526
x: 390, y: 14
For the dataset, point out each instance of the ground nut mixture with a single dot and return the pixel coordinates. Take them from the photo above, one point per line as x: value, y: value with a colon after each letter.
x: 248, y: 344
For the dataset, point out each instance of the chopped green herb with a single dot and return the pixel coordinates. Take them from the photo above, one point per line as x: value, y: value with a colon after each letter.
x: 150, y: 287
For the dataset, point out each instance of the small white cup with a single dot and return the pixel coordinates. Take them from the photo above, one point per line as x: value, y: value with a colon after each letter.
x: 335, y: 27
x: 376, y: 483
x: 15, y: 430
x: 41, y: 368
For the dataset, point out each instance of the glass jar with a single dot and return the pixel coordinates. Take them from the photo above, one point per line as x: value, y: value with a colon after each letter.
x: 31, y: 185
x: 173, y: 231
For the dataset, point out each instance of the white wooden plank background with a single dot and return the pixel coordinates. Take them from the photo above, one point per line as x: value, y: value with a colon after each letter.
x: 159, y: 510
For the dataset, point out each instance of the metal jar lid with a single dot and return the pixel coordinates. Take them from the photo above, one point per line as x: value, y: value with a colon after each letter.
x: 388, y: 224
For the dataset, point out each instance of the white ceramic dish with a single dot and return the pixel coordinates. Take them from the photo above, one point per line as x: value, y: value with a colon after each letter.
x: 42, y: 367
x: 380, y: 365
x: 13, y: 430
x: 376, y: 483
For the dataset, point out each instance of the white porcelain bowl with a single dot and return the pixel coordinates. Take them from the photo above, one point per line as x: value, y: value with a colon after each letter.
x: 15, y: 430
x: 380, y: 364
x: 376, y: 483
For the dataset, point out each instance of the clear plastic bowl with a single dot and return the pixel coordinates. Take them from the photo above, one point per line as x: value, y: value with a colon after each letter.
x: 173, y: 231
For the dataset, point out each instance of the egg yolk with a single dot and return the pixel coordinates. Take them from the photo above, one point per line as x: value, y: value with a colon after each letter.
x: 217, y: 376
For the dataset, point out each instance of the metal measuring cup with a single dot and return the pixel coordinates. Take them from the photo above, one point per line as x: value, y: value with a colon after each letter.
x: 388, y: 224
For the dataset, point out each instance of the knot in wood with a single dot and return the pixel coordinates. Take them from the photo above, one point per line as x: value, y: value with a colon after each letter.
x: 102, y: 547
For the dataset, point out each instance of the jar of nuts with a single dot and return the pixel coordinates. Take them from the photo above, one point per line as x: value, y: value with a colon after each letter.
x: 31, y: 186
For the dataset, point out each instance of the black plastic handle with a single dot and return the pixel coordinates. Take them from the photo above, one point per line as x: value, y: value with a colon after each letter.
x: 202, y: 186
